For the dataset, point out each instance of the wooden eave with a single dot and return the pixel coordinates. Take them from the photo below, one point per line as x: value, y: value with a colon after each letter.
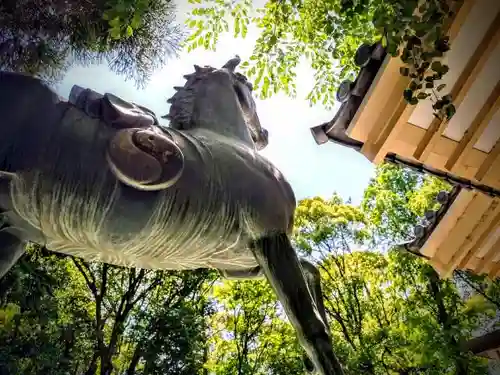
x: 466, y: 147
x: 385, y: 123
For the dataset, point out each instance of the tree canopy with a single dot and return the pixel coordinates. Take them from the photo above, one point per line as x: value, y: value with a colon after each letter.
x: 326, y: 34
x: 388, y: 310
x: 44, y: 38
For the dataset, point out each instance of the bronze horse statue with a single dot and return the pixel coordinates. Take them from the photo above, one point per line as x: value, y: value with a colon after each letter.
x: 98, y: 178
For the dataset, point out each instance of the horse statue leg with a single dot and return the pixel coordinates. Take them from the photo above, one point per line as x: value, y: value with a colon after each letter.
x: 297, y: 286
x: 11, y: 249
x: 11, y: 246
x: 313, y: 280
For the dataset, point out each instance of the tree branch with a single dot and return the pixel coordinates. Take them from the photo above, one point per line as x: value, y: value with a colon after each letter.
x: 91, y: 284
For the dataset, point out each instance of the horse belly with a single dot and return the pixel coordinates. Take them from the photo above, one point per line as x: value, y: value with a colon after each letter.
x: 223, y: 257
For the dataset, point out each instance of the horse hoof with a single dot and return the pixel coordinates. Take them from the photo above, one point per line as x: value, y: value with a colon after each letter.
x: 145, y: 159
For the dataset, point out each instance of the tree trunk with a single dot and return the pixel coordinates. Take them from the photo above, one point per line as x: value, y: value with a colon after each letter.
x: 444, y: 320
x: 134, y: 362
x: 93, y: 364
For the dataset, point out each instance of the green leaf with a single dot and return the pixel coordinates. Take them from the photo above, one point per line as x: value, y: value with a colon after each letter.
x: 450, y: 111
x: 408, y: 95
x: 115, y: 33
x: 129, y: 31
x: 265, y: 86
x: 384, y: 41
x: 136, y: 21
x: 115, y: 22
x: 272, y: 40
x: 441, y: 87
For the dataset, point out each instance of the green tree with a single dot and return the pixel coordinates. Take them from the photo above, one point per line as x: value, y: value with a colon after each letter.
x: 390, y: 313
x: 45, y: 324
x: 327, y: 34
x: 395, y: 199
x: 134, y: 37
x: 250, y: 334
x: 62, y: 315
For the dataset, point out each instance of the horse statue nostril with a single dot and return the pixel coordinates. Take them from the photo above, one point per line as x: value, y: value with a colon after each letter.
x: 145, y: 159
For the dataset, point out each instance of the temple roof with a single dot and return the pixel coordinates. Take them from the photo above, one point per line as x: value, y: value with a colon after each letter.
x: 378, y: 122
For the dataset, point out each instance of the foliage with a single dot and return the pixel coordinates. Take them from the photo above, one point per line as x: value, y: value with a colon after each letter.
x: 249, y: 333
x: 135, y: 37
x: 45, y: 309
x: 327, y: 34
x: 417, y: 32
x: 389, y: 312
x: 97, y: 318
x: 325, y: 225
x: 395, y: 199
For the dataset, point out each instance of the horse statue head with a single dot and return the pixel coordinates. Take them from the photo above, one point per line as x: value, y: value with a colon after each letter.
x: 220, y: 100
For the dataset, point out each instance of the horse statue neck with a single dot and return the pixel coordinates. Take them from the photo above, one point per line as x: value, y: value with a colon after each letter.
x: 218, y: 100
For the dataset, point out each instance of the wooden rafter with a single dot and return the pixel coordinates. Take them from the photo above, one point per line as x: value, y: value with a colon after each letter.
x: 461, y: 87
x: 489, y: 172
x: 449, y: 221
x: 493, y: 273
x: 468, y: 230
x: 459, y: 18
x: 488, y: 257
x: 485, y: 229
x: 383, y: 132
x: 476, y: 128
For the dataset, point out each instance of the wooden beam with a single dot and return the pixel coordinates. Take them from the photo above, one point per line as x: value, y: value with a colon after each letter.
x: 393, y: 117
x: 447, y: 223
x: 493, y: 273
x: 438, y: 266
x: 459, y: 18
x: 467, y: 230
x: 490, y: 169
x: 487, y: 259
x: 484, y: 343
x: 410, y: 135
x: 485, y: 229
x: 461, y: 87
x: 476, y: 128
x: 382, y: 129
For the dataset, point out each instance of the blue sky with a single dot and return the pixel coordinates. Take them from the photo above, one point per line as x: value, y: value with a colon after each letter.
x: 311, y: 169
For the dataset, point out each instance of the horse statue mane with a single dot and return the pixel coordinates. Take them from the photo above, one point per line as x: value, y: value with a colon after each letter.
x: 97, y: 177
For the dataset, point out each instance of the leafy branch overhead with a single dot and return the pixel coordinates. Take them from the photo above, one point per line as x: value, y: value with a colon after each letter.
x: 327, y: 34
x: 134, y: 37
x: 417, y: 34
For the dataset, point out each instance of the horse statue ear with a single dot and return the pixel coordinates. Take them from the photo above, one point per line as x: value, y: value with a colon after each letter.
x: 232, y: 64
